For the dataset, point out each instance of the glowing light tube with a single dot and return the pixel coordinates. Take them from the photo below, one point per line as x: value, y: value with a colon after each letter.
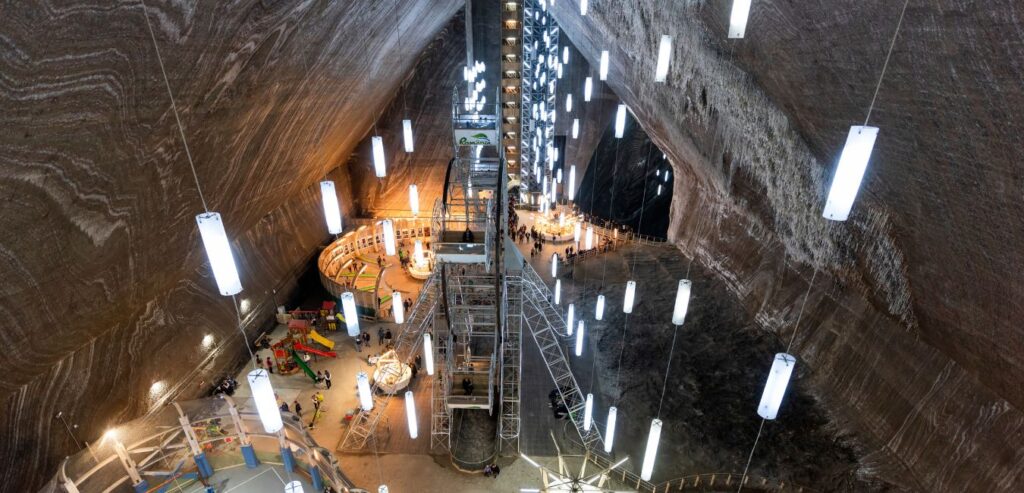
x: 849, y: 172
x: 407, y: 135
x: 266, y: 403
x: 294, y: 487
x: 579, y: 339
x: 561, y: 218
x: 565, y: 54
x: 379, y: 166
x: 609, y: 431
x: 576, y: 229
x: 554, y: 265
x: 397, y: 308
x: 572, y: 193
x: 568, y: 318
x: 682, y: 302
x: 558, y: 291
x: 620, y: 121
x: 428, y: 353
x: 332, y: 212
x: 659, y: 189
x: 568, y: 103
x: 588, y: 413
x: 590, y: 237
x: 664, y: 56
x: 389, y: 236
x: 417, y: 252
x: 738, y: 19
x: 575, y: 128
x: 218, y: 251
x: 583, y: 7
x: 650, y: 454
x: 627, y: 303
x: 599, y: 308
x: 588, y: 89
x: 603, y: 71
x: 410, y: 414
x: 363, y: 386
x: 348, y: 308
x: 414, y: 200
x: 775, y: 387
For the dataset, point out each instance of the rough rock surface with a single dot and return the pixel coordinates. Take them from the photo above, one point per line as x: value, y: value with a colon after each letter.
x: 106, y: 290
x: 912, y: 327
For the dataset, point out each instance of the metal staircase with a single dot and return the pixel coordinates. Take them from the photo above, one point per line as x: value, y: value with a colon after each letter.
x: 407, y: 344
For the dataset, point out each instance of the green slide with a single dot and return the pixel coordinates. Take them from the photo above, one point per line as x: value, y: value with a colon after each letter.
x: 303, y: 365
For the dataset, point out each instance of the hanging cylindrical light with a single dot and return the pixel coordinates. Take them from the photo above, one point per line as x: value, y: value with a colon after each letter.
x: 738, y: 19
x: 379, y: 166
x: 382, y: 488
x: 576, y: 229
x: 558, y: 178
x: 659, y: 189
x: 218, y: 251
x: 627, y: 303
x: 568, y: 103
x: 583, y: 7
x: 407, y: 134
x: 849, y: 172
x: 775, y: 387
x: 348, y: 308
x: 389, y: 236
x: 565, y: 54
x: 682, y: 302
x: 664, y: 56
x: 666, y: 176
x: 414, y: 200
x: 558, y: 70
x: 609, y: 431
x: 554, y: 265
x: 603, y: 69
x: 332, y: 212
x: 294, y: 487
x: 428, y: 352
x: 579, y: 339
x: 558, y: 291
x: 575, y: 128
x: 417, y: 252
x: 572, y: 193
x: 651, y: 453
x: 397, y: 308
x: 588, y: 413
x: 410, y: 414
x: 590, y: 237
x: 599, y: 308
x: 588, y: 88
x: 620, y: 121
x: 568, y: 318
x: 365, y: 395
x: 266, y: 402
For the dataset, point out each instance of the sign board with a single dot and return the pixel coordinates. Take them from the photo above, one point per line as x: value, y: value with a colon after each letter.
x: 476, y: 137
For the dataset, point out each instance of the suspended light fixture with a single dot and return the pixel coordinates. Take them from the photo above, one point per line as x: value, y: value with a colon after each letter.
x: 389, y: 236
x: 575, y: 128
x: 572, y: 192
x: 558, y: 291
x: 332, y: 212
x: 650, y: 454
x: 554, y: 265
x: 775, y: 387
x: 666, y: 176
x: 414, y: 200
x: 558, y: 70
x: 659, y: 189
x: 218, y: 251
x: 579, y: 339
x: 558, y: 178
x: 568, y: 103
x: 588, y: 89
x: 407, y: 134
x: 609, y: 433
x: 583, y: 7
x: 576, y: 229
x: 682, y: 302
x: 590, y: 237
x: 599, y: 308
x: 379, y: 166
x: 620, y: 121
x: 849, y: 172
x: 417, y: 252
x: 428, y: 352
x: 397, y: 308
x: 738, y: 19
x: 603, y: 70
x: 266, y: 403
x: 568, y: 318
x: 348, y: 308
x: 588, y: 412
x: 294, y: 487
x: 410, y: 414
x: 565, y: 54
x: 664, y: 56
x: 627, y: 304
x: 363, y: 386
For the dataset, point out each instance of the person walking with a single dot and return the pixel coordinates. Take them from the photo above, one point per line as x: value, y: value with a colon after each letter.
x: 297, y: 407
x: 327, y: 378
x: 387, y: 336
x: 380, y: 336
x: 359, y: 343
x: 270, y: 365
x: 366, y: 339
x: 316, y: 403
x: 319, y: 377
x: 495, y: 470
